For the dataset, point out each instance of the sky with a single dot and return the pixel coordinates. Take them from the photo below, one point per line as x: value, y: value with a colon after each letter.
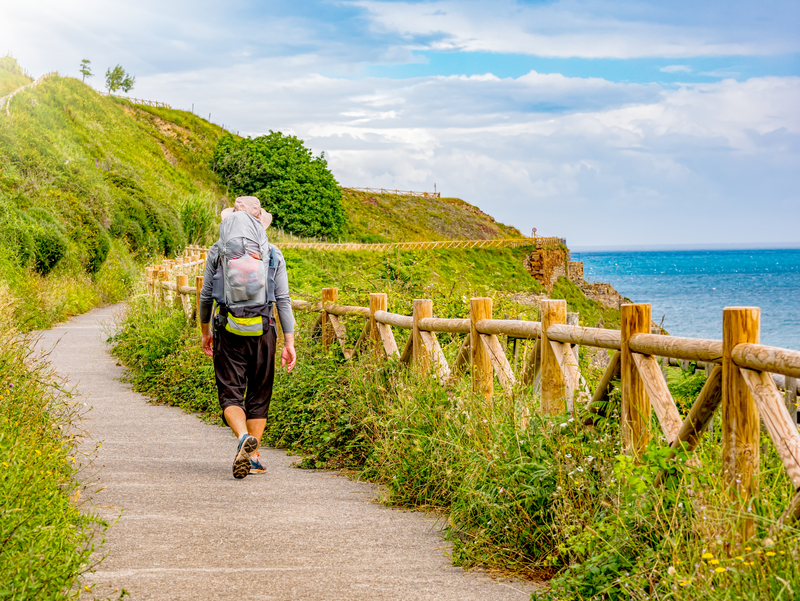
x: 605, y: 123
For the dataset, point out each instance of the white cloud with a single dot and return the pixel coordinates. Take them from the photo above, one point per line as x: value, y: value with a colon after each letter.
x: 676, y: 69
x: 622, y: 164
x: 561, y: 29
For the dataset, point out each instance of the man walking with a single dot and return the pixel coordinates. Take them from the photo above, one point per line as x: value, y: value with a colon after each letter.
x: 246, y: 276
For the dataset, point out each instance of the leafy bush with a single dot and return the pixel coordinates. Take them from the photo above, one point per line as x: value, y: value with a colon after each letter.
x: 50, y: 246
x: 296, y: 187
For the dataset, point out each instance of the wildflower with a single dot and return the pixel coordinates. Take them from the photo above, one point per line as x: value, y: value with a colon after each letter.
x: 683, y: 582
x: 771, y: 554
x: 719, y: 570
x: 589, y: 459
x: 707, y: 555
x: 671, y: 571
x: 713, y: 562
x: 5, y: 464
x: 740, y: 558
x: 568, y: 456
x: 747, y: 548
x: 563, y: 424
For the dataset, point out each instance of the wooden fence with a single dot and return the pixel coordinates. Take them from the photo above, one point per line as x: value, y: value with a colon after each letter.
x: 444, y: 244
x: 739, y: 386
x: 153, y: 103
x: 397, y: 192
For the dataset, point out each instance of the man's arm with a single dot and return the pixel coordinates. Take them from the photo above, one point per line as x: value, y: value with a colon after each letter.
x: 284, y: 303
x: 207, y: 302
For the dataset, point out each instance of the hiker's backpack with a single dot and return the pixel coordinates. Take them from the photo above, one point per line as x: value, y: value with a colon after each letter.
x: 244, y: 280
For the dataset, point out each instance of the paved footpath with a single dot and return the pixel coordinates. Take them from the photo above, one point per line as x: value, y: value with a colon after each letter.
x: 188, y: 530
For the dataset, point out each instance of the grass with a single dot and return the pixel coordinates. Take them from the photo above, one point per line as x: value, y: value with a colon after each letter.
x: 393, y: 218
x: 46, y: 534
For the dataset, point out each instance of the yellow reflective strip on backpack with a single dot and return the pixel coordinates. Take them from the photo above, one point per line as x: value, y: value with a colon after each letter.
x: 245, y: 326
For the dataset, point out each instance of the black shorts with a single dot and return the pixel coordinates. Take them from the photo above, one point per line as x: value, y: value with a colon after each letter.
x: 244, y: 367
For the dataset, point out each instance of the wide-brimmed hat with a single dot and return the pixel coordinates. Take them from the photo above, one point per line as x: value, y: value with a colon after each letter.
x: 252, y: 206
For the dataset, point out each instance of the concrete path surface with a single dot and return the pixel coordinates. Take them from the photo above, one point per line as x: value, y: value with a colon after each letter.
x: 188, y: 530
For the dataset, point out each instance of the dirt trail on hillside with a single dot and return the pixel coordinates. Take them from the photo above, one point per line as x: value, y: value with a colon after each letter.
x: 189, y: 531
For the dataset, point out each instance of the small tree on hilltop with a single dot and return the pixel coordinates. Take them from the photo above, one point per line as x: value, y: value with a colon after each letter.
x: 85, y: 69
x: 118, y: 79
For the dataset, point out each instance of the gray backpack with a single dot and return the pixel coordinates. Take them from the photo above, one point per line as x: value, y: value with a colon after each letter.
x: 244, y: 281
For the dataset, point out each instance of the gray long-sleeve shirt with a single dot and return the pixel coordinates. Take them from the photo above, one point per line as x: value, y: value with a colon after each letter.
x: 281, y: 289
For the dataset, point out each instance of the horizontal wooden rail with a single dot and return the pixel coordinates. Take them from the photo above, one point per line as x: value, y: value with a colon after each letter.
x: 344, y: 310
x: 509, y: 327
x: 597, y: 337
x: 767, y: 358
x: 691, y: 349
x: 393, y: 319
x: 435, y: 324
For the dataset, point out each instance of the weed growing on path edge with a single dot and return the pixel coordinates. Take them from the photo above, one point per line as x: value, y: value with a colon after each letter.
x: 47, y: 536
x: 555, y: 499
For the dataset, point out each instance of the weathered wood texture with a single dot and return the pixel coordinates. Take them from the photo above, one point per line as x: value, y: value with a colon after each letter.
x: 659, y: 395
x: 767, y: 358
x: 329, y: 296
x: 574, y: 385
x: 597, y: 337
x: 393, y: 319
x: 695, y: 349
x: 635, y: 417
x: 554, y: 390
x: 497, y: 356
x: 481, y: 364
x: 740, y: 448
x: 420, y: 356
x: 510, y: 327
x: 776, y: 419
x: 435, y: 324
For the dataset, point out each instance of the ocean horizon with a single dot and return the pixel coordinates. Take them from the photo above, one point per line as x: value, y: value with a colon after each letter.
x: 688, y: 288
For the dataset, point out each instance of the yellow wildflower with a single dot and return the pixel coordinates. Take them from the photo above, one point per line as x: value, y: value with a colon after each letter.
x: 708, y: 555
x: 719, y: 570
x: 771, y: 554
x: 740, y: 558
x: 747, y: 548
x: 713, y: 562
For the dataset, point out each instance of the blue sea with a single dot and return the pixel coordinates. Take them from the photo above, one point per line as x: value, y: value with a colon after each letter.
x: 690, y: 288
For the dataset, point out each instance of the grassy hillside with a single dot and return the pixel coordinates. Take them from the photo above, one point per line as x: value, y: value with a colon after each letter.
x: 391, y: 218
x: 11, y: 76
x: 88, y: 184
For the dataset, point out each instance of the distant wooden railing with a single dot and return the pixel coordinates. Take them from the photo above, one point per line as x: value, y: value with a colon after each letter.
x: 397, y: 192
x: 153, y: 103
x: 739, y: 383
x: 409, y: 246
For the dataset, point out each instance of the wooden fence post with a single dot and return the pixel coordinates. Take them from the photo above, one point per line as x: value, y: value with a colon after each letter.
x: 329, y: 296
x: 635, y: 319
x: 378, y: 301
x: 482, y: 374
x: 740, y: 418
x: 574, y: 319
x: 554, y: 390
x: 421, y: 360
x: 198, y: 284
x: 163, y: 292
x: 181, y: 280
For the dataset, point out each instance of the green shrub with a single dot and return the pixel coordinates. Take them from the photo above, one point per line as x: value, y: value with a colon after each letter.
x: 296, y: 187
x: 50, y: 246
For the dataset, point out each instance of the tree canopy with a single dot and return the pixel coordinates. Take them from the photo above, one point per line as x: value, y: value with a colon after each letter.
x: 292, y: 184
x: 118, y: 79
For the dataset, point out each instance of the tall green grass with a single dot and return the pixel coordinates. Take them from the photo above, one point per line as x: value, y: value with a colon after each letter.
x: 552, y: 500
x: 47, y: 534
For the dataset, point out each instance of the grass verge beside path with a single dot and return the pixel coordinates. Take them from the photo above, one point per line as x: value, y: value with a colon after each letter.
x: 553, y: 500
x: 46, y: 539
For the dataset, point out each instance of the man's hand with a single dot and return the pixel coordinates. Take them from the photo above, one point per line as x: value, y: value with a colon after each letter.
x: 288, y: 355
x: 207, y: 339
